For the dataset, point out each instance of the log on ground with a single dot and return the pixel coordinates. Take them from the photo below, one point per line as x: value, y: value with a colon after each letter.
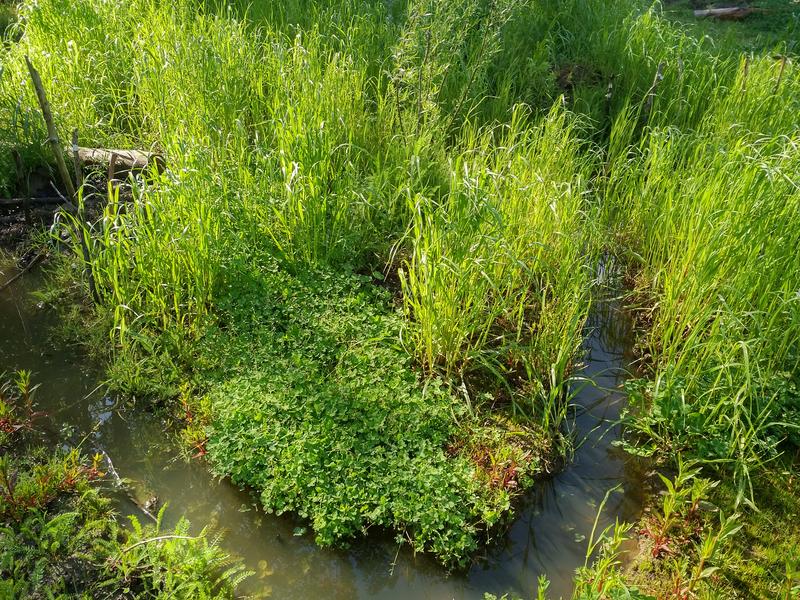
x: 126, y: 159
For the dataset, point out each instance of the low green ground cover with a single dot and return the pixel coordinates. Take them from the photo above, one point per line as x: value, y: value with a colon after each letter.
x: 371, y: 257
x: 313, y: 402
x: 60, y: 537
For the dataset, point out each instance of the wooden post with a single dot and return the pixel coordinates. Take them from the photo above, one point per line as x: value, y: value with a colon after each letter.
x: 52, y: 133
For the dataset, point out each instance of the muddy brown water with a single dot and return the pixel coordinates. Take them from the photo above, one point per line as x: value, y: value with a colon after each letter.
x: 549, y: 535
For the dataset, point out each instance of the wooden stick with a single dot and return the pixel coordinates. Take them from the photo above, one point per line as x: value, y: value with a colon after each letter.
x: 62, y: 169
x: 83, y: 220
x: 51, y: 129
x: 71, y: 208
x: 112, y: 169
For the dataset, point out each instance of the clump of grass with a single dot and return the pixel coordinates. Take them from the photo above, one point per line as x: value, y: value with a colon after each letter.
x: 712, y: 215
x: 497, y: 279
x: 688, y: 548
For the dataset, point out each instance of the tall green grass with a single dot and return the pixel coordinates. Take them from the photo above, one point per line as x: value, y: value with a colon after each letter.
x: 710, y: 213
x: 496, y: 282
x: 286, y: 143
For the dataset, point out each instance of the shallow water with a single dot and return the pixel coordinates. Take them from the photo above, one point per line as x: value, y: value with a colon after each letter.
x: 549, y: 535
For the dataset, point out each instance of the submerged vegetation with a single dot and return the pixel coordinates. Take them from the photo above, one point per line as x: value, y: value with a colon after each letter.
x: 372, y: 253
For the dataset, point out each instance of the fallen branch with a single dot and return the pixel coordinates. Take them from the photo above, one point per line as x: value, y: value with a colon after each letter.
x: 117, y: 479
x: 128, y: 159
x: 730, y: 12
x: 122, y: 485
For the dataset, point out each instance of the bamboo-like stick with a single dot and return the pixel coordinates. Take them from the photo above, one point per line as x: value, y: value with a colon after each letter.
x: 58, y: 151
x: 52, y: 133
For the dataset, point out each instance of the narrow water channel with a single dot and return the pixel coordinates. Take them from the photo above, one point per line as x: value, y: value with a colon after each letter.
x: 549, y: 535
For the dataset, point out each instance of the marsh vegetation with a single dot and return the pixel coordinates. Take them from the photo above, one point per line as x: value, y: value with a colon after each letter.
x: 364, y: 275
